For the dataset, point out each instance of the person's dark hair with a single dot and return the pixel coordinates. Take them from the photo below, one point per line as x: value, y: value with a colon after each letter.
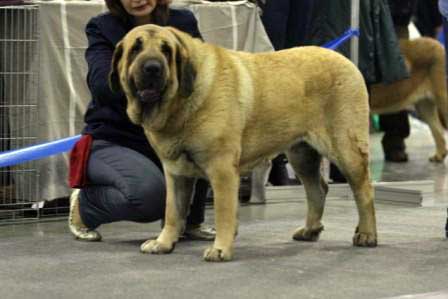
x: 159, y: 14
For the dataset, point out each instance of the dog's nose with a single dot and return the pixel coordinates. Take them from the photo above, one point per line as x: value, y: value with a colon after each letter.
x: 152, y: 68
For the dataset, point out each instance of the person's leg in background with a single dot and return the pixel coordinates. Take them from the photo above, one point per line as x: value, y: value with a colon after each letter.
x: 279, y: 174
x: 396, y: 129
x: 194, y: 229
x: 396, y: 125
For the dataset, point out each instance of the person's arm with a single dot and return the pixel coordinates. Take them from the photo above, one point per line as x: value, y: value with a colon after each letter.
x: 196, y: 32
x: 99, y: 58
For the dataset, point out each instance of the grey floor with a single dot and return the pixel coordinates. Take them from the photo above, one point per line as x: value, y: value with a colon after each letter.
x: 43, y: 261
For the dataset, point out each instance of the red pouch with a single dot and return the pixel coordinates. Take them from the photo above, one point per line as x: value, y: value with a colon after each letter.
x: 79, y: 156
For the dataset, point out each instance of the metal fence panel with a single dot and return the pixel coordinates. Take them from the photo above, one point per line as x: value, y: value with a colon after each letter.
x: 19, y: 73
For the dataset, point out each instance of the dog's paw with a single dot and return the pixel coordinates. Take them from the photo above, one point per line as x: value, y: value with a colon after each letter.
x: 213, y: 254
x: 307, y: 234
x: 364, y: 239
x: 155, y: 247
x: 437, y: 158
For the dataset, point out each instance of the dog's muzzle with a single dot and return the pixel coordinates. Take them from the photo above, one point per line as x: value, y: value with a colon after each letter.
x: 151, y: 82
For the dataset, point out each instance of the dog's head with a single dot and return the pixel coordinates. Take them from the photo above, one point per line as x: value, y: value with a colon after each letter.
x: 151, y: 65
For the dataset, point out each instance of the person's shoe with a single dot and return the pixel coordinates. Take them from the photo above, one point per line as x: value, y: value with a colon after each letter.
x: 199, y: 233
x: 336, y: 176
x: 77, y: 227
x: 396, y: 156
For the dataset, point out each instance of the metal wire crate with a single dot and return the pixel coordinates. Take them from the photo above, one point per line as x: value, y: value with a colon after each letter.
x: 18, y: 109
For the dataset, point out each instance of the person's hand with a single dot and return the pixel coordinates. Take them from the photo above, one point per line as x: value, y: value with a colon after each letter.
x: 164, y: 2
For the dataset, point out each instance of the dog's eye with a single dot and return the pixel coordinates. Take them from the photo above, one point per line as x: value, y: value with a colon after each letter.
x: 136, y: 48
x: 166, y: 50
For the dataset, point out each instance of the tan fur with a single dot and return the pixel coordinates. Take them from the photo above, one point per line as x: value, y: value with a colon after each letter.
x: 244, y: 108
x: 425, y: 89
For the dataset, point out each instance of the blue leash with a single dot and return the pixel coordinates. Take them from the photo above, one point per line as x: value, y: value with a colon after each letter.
x: 39, y: 151
x: 334, y: 44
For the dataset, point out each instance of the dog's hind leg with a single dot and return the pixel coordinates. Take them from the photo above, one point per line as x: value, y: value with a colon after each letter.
x: 427, y: 110
x: 178, y: 199
x: 351, y: 155
x: 259, y: 178
x: 305, y: 161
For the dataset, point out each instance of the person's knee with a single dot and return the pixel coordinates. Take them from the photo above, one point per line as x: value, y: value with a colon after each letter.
x: 145, y: 182
x: 149, y: 200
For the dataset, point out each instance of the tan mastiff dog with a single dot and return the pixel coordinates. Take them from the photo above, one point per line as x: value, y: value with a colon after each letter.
x: 425, y: 89
x: 215, y: 113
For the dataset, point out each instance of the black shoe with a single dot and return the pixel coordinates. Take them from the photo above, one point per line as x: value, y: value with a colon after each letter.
x: 396, y: 156
x: 335, y: 175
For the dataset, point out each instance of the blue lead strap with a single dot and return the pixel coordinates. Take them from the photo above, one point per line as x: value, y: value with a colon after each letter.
x: 39, y: 151
x: 334, y: 44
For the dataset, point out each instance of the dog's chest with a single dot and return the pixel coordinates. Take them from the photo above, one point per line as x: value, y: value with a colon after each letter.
x: 176, y: 157
x: 183, y: 165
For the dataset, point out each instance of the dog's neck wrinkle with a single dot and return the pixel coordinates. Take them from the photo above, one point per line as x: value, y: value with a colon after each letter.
x: 173, y: 123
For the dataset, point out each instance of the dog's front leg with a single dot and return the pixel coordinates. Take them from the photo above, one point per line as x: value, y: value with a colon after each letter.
x: 178, y: 197
x: 224, y: 178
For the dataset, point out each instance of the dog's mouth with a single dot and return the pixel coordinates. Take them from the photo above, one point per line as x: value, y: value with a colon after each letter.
x: 149, y: 93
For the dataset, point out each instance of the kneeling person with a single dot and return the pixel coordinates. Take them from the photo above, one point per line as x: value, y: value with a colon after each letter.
x: 123, y: 178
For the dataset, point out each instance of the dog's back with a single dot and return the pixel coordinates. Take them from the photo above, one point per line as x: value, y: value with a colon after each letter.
x: 302, y: 90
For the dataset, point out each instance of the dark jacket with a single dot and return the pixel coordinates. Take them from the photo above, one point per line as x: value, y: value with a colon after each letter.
x: 106, y: 116
x: 285, y: 21
x: 427, y: 17
x: 379, y: 55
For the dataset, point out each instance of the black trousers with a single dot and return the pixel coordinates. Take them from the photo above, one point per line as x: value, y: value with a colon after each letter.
x: 126, y: 185
x: 396, y: 128
x: 279, y: 174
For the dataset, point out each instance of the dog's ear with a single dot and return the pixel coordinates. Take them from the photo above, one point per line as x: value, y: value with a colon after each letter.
x: 186, y: 72
x: 114, y: 75
x: 186, y: 75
